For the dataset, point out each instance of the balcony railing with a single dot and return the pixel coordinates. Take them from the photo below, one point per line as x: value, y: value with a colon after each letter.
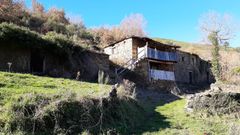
x: 162, y: 75
x: 161, y: 55
x: 156, y: 54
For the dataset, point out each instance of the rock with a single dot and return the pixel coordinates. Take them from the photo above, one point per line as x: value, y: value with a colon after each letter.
x: 215, y: 88
x: 215, y: 102
x: 129, y: 86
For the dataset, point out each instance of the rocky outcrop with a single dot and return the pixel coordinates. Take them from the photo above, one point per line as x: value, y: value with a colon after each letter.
x: 216, y: 101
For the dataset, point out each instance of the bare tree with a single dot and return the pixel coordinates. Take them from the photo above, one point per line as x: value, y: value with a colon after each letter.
x: 37, y: 8
x: 132, y: 25
x: 223, y: 25
x: 218, y: 30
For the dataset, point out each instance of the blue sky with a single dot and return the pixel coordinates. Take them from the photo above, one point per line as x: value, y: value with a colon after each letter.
x: 172, y: 19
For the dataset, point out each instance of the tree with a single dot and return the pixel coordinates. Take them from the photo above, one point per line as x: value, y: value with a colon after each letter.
x: 12, y: 11
x: 215, y: 54
x: 218, y: 30
x: 57, y: 15
x: 132, y: 25
x: 37, y: 8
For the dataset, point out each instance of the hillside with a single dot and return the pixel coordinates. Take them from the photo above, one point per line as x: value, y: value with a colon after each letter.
x: 43, y: 105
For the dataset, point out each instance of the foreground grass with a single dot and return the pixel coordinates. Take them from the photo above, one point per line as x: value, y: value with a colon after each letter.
x: 13, y: 83
x: 172, y: 119
x: 18, y: 92
x: 43, y: 105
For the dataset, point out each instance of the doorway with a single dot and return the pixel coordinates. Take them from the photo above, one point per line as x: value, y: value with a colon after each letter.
x: 208, y: 79
x: 37, y: 62
x: 190, y: 78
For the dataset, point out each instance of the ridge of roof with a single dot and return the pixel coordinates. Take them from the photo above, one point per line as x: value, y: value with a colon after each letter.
x: 142, y: 38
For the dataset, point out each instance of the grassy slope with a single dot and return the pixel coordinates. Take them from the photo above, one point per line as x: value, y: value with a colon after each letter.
x: 168, y: 119
x: 18, y: 92
x: 174, y: 120
x: 13, y: 85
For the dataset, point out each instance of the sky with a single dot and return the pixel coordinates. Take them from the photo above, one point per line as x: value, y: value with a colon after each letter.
x: 171, y: 19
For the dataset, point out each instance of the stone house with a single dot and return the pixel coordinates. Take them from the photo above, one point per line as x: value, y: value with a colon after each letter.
x: 156, y: 61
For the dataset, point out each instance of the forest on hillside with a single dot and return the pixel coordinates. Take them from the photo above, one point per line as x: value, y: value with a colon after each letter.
x: 43, y: 21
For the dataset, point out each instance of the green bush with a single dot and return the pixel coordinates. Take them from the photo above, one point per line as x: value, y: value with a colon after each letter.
x: 23, y: 37
x: 20, y: 35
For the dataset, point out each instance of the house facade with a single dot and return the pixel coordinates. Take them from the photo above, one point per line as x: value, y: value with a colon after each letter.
x: 156, y: 61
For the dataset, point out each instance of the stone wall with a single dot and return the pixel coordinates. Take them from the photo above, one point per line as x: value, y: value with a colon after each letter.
x: 19, y: 57
x: 142, y: 68
x: 121, y: 52
x: 89, y: 63
x: 65, y: 65
x: 190, y: 68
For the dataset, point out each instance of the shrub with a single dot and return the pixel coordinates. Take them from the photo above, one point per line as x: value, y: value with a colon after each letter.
x: 23, y: 37
x: 68, y: 114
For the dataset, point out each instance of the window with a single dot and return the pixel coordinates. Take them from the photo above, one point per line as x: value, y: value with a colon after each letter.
x: 193, y: 60
x: 190, y: 77
x: 183, y: 59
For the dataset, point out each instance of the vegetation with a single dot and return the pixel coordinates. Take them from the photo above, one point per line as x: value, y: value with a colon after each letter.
x: 42, y: 21
x: 52, y: 41
x: 31, y: 104
x: 132, y: 25
x: 216, y: 67
x: 218, y: 30
x: 173, y: 119
x: 43, y: 105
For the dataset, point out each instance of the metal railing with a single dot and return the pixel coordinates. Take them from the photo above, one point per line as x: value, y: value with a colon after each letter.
x: 161, y: 55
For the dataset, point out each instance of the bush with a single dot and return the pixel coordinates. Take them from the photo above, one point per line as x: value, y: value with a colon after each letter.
x: 23, y: 37
x: 67, y: 114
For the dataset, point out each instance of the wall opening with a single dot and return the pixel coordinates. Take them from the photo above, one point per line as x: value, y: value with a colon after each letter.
x: 37, y: 62
x: 190, y: 78
x: 183, y: 59
x: 208, y: 77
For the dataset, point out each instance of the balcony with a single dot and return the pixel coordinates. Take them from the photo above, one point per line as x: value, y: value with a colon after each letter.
x: 162, y: 75
x: 156, y: 54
